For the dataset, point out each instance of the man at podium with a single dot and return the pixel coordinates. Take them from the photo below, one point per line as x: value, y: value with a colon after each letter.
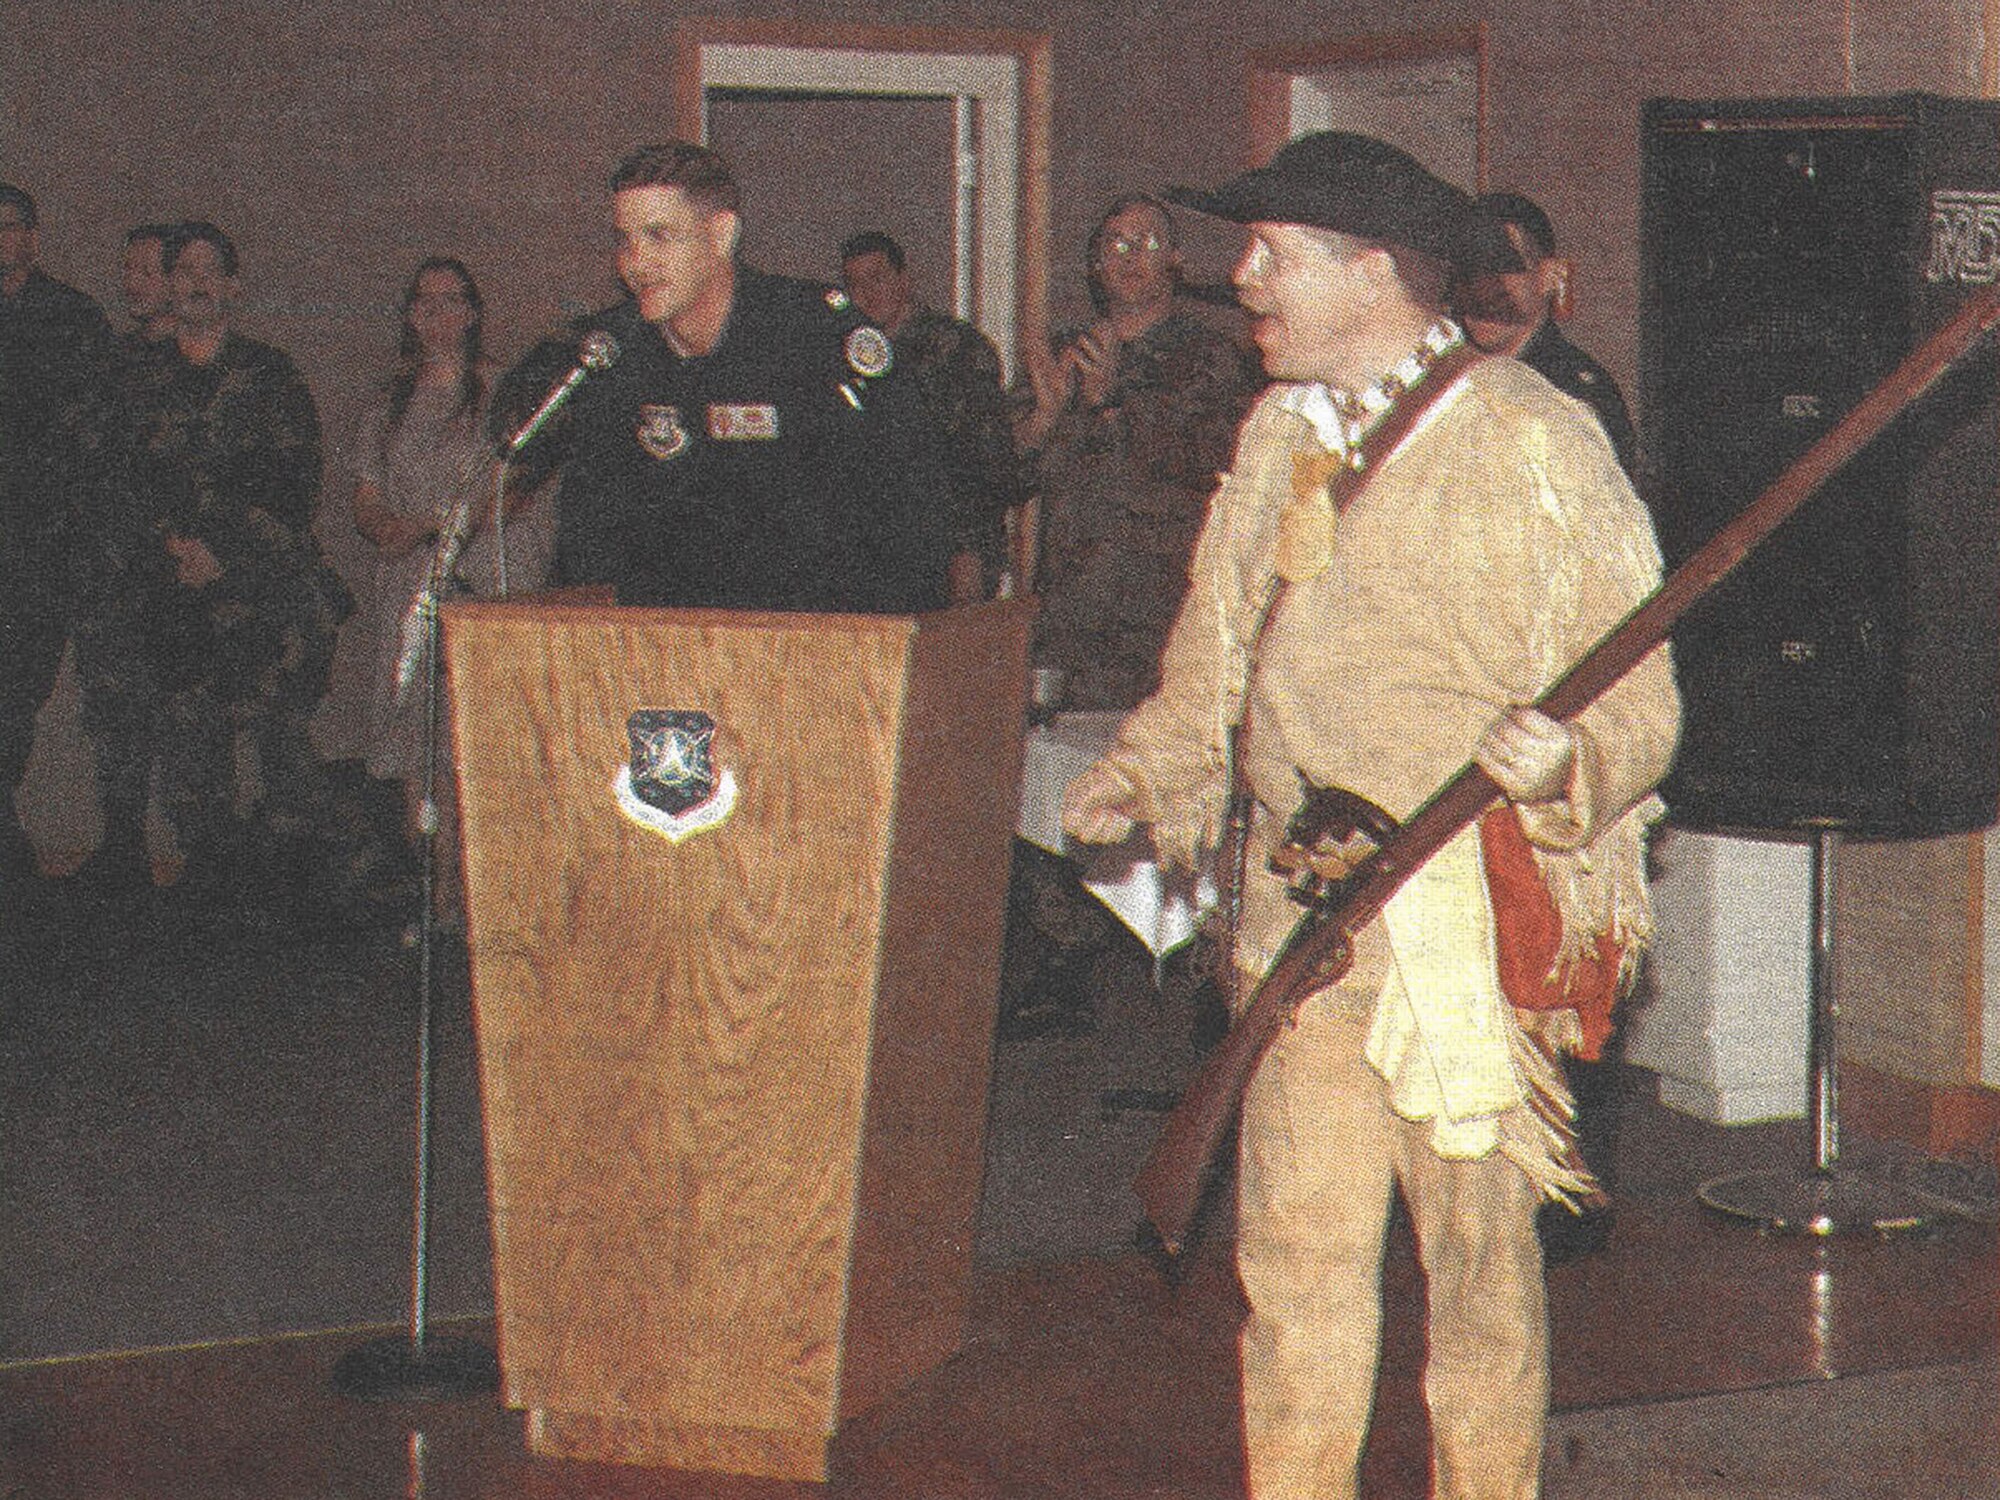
x: 750, y: 444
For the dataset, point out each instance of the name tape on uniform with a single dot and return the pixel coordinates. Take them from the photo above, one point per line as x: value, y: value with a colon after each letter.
x: 742, y: 424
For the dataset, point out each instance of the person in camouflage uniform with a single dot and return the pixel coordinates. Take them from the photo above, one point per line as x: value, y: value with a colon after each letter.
x: 54, y: 343
x: 1134, y: 417
x: 121, y: 577
x: 228, y: 452
x: 957, y: 370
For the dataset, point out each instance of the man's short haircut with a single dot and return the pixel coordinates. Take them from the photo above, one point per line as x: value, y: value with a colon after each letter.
x: 23, y: 204
x: 1525, y: 214
x: 139, y: 233
x: 872, y: 242
x: 697, y: 171
x: 198, y: 231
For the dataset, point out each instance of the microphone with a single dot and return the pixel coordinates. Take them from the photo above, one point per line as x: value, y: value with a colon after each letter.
x: 597, y: 351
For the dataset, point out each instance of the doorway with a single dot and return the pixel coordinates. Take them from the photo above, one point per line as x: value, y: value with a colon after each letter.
x: 938, y: 137
x: 1423, y: 91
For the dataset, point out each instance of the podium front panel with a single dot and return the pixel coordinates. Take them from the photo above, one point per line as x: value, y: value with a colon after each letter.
x: 658, y: 1019
x: 692, y: 1222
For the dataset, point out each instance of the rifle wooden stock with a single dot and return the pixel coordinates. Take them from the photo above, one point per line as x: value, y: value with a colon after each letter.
x: 1171, y: 1183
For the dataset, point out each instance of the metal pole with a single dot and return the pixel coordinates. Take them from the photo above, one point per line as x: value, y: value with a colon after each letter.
x: 1827, y: 1198
x: 427, y: 825
x: 1822, y: 1038
x: 421, y: 1368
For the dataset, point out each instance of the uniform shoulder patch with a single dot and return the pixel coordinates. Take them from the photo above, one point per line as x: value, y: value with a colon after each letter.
x: 868, y: 352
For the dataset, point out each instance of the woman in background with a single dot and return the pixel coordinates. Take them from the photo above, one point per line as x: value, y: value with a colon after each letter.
x: 419, y: 452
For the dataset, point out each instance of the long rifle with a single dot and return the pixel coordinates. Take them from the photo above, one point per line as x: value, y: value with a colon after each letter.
x: 1320, y: 947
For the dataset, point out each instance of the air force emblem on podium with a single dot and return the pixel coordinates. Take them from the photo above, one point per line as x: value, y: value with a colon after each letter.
x: 672, y: 784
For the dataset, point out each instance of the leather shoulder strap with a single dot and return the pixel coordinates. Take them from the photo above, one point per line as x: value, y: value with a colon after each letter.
x: 1381, y: 439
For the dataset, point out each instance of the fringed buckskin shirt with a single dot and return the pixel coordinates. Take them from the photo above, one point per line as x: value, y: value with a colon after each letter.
x: 1487, y: 553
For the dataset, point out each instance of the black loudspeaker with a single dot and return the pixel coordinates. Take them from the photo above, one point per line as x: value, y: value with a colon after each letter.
x: 1793, y: 252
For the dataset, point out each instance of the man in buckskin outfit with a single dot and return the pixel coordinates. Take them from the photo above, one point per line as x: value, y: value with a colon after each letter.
x: 1374, y: 634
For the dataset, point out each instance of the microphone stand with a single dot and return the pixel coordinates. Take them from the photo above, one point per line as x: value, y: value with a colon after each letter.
x: 419, y: 1367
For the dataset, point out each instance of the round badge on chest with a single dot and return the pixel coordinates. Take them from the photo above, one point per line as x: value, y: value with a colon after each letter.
x: 868, y: 352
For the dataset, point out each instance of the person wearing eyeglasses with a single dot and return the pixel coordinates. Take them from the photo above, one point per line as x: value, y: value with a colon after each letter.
x: 1134, y: 416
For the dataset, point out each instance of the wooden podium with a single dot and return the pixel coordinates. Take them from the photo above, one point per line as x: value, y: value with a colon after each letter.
x: 735, y: 1086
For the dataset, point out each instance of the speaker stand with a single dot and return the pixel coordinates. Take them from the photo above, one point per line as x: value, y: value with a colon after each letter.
x: 1826, y: 1198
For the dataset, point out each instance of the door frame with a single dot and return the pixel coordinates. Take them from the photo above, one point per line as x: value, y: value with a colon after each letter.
x: 1272, y: 74
x: 697, y: 38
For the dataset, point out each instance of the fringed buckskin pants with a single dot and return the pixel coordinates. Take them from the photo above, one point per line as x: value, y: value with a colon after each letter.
x: 1322, y: 1155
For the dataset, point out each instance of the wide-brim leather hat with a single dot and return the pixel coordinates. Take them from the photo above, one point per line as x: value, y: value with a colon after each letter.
x: 1358, y: 185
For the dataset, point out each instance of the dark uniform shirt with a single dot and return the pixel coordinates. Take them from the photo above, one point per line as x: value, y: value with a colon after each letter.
x: 1575, y: 373
x: 789, y: 468
x: 55, y: 353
